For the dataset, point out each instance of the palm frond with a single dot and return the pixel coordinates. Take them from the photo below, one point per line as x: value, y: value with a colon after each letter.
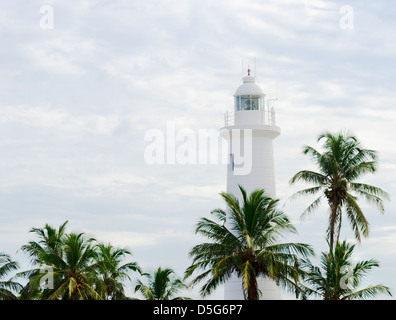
x: 311, y: 177
x: 356, y: 217
x: 311, y: 208
x: 369, y: 292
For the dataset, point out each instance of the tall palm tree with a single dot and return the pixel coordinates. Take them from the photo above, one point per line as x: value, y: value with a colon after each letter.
x: 161, y: 286
x: 340, y: 165
x: 111, y: 272
x: 8, y: 288
x: 338, y: 278
x: 245, y: 240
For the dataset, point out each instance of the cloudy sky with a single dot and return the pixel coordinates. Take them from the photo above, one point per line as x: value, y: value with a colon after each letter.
x: 82, y: 82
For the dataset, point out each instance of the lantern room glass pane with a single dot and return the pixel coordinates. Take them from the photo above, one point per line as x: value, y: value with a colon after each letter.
x: 249, y: 102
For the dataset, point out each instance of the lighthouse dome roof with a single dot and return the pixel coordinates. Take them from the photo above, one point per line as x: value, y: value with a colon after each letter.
x: 249, y: 87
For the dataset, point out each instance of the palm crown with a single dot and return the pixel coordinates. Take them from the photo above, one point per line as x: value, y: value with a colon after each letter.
x: 245, y: 240
x: 161, y: 286
x: 8, y: 287
x: 338, y: 278
x: 111, y: 271
x: 341, y: 164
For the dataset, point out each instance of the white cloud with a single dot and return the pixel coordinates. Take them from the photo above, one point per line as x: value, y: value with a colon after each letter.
x: 138, y: 240
x: 195, y: 191
x: 57, y: 120
x: 61, y: 54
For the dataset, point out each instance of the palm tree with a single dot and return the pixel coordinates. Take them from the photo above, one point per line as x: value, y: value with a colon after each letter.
x: 111, y: 272
x: 161, y: 286
x: 69, y: 260
x: 8, y: 287
x: 245, y: 240
x: 338, y: 278
x: 74, y: 270
x: 50, y: 241
x: 340, y: 165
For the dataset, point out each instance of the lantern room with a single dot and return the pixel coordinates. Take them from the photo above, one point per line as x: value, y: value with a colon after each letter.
x: 249, y: 95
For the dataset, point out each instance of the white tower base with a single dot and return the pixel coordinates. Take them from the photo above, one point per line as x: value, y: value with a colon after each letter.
x: 269, y: 290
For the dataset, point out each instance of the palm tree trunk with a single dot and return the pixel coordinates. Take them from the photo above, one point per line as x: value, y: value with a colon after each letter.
x: 339, y: 224
x: 252, y: 290
x: 334, y: 207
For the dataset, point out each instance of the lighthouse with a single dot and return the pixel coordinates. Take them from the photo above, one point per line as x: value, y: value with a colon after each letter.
x: 250, y: 130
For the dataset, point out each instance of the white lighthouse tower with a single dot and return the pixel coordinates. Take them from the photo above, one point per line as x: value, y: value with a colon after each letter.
x: 250, y: 130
